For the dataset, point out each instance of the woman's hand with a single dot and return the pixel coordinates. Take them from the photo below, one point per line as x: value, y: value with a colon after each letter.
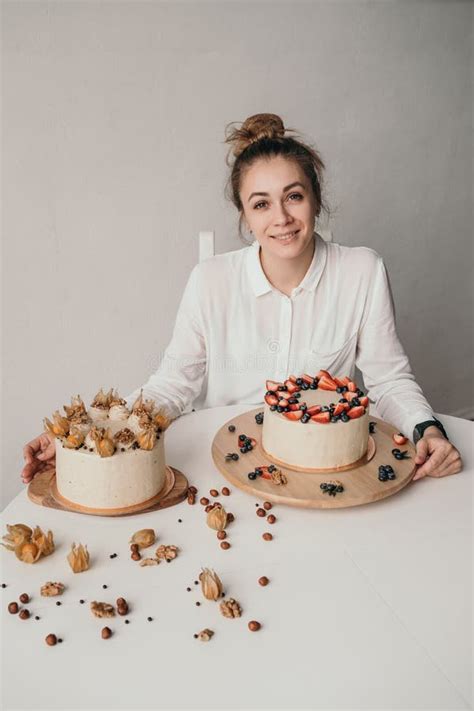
x: 39, y: 454
x: 436, y: 456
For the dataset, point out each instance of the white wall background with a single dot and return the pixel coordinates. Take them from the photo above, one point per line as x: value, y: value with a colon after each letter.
x: 113, y: 159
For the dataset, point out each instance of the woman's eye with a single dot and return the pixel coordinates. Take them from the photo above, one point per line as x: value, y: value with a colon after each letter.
x: 263, y: 202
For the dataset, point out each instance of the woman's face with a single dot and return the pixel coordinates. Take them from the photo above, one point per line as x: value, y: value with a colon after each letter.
x: 279, y: 206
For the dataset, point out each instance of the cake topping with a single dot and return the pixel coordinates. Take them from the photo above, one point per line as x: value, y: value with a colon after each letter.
x: 59, y: 427
x: 75, y: 439
x: 76, y: 412
x: 102, y: 400
x: 147, y: 438
x: 124, y: 438
x: 105, y: 444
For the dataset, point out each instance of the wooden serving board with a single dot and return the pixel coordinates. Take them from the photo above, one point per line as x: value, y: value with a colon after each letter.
x: 43, y: 491
x: 361, y: 483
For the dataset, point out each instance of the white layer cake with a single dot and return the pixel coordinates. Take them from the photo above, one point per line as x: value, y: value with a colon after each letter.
x: 315, y: 445
x: 124, y: 479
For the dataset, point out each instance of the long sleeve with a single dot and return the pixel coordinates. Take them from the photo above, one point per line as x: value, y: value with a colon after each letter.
x: 179, y: 377
x: 383, y: 362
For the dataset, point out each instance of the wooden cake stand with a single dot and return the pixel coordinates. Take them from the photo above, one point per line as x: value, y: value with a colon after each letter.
x: 43, y: 491
x: 361, y: 483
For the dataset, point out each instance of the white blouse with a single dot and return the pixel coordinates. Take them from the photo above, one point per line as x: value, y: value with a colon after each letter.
x: 234, y: 331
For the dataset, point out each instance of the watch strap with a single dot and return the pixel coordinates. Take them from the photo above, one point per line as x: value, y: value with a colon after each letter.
x: 422, y: 426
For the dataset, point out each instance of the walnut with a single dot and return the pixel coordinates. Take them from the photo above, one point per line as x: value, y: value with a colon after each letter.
x: 102, y: 609
x: 205, y: 635
x: 230, y: 608
x: 51, y: 589
x: 279, y: 478
x: 167, y: 552
x: 149, y: 561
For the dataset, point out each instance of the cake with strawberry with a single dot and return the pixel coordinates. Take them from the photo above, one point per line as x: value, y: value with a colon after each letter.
x: 315, y: 422
x: 107, y: 456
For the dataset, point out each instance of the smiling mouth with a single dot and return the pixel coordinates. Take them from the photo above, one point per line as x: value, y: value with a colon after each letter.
x: 285, y: 238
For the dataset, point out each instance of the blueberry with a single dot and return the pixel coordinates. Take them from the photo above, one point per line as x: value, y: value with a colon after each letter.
x: 252, y: 475
x: 272, y: 468
x: 340, y: 488
x: 395, y: 451
x: 235, y: 456
x: 323, y: 486
x: 273, y: 408
x: 306, y: 418
x: 297, y: 395
x: 334, y: 418
x: 305, y: 386
x: 231, y: 428
x: 391, y: 475
x: 355, y: 402
x: 303, y: 406
x: 313, y: 386
x: 280, y: 408
x: 345, y: 417
x: 299, y: 381
x: 359, y: 392
x: 242, y: 438
x: 258, y: 470
x: 340, y: 390
x: 343, y: 399
x: 282, y: 388
x: 243, y: 449
x: 292, y: 401
x: 270, y: 392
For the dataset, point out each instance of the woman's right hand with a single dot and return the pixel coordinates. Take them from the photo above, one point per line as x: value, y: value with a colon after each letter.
x: 39, y: 454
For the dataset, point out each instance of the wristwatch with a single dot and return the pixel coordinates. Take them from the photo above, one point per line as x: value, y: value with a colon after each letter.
x: 422, y: 426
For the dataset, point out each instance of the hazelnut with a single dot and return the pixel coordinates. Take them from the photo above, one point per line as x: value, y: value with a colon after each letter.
x: 13, y: 608
x: 225, y: 545
x: 191, y: 499
x: 135, y: 556
x: 267, y: 536
x: 230, y: 517
x: 134, y: 548
x: 122, y: 610
x: 51, y: 639
x: 214, y: 492
x: 221, y: 535
x: 254, y: 626
x: 263, y: 580
x: 267, y: 505
x: 204, y: 501
x: 24, y: 614
x: 271, y: 518
x: 106, y: 632
x: 192, y: 490
x: 225, y: 491
x: 261, y: 512
x: 208, y: 508
x: 24, y: 598
x: 121, y: 602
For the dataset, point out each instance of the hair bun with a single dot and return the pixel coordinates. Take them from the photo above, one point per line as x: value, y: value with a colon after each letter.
x: 253, y: 129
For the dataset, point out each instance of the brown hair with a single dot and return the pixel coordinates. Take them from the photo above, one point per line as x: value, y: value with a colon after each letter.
x: 262, y: 136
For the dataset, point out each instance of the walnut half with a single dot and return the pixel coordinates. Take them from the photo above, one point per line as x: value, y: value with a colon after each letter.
x: 51, y: 589
x: 102, y: 609
x: 167, y: 552
x: 230, y: 608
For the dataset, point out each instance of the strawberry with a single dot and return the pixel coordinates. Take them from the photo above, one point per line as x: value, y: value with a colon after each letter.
x: 364, y: 401
x: 265, y: 473
x: 400, y: 438
x: 307, y: 378
x: 340, y: 383
x: 292, y: 378
x: 294, y: 407
x: 321, y: 417
x: 345, y: 380
x: 292, y: 388
x: 295, y: 415
x: 348, y: 395
x: 283, y: 395
x: 272, y: 385
x: 314, y: 409
x: 341, y: 407
x: 352, y: 386
x: 322, y: 374
x: 355, y: 412
x: 271, y: 399
x: 327, y: 383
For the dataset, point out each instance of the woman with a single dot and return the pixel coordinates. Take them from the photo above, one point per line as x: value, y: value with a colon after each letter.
x: 288, y: 303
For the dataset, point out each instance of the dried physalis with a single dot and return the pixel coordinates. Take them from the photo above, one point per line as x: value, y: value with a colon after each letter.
x: 59, y: 427
x: 230, y: 608
x: 93, y: 436
x: 105, y: 445
x: 28, y: 552
x: 144, y: 538
x: 101, y: 399
x: 51, y: 589
x: 147, y: 438
x: 161, y: 421
x: 217, y: 518
x: 211, y: 585
x: 78, y: 558
x: 77, y: 409
x: 74, y: 439
x: 44, y: 541
x: 17, y: 534
x: 141, y: 406
x: 115, y: 399
x: 205, y: 635
x: 102, y: 609
x: 167, y: 552
x: 279, y: 478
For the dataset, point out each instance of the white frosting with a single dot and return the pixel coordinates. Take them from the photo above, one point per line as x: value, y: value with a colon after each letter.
x: 315, y: 445
x: 133, y: 423
x: 98, y: 413
x: 124, y: 479
x: 119, y: 412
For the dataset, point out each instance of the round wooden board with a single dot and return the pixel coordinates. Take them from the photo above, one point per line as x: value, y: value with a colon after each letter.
x: 42, y: 490
x: 361, y: 483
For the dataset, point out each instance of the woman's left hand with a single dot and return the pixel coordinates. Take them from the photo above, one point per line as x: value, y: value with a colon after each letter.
x: 436, y: 456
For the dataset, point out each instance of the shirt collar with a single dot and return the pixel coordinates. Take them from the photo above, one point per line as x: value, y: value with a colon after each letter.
x: 259, y: 281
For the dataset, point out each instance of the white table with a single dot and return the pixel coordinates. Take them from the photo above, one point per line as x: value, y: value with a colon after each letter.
x: 367, y: 607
